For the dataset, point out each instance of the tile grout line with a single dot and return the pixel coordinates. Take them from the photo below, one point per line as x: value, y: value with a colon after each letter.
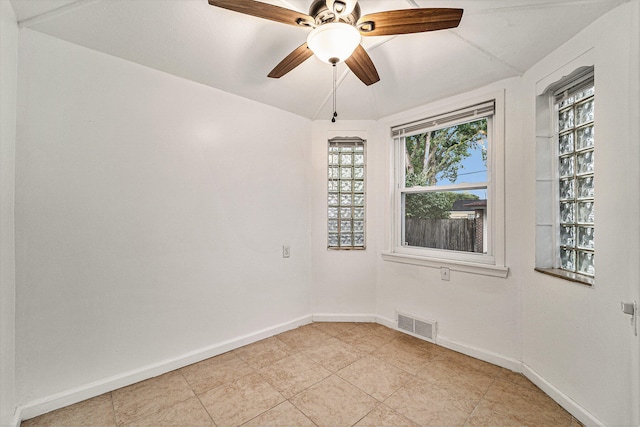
x: 480, y: 400
x: 197, y: 396
x: 113, y: 409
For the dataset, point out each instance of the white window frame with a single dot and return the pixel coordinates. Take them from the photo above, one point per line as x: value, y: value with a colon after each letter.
x: 492, y: 263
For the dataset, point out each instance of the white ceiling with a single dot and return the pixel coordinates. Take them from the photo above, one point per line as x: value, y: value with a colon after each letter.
x: 496, y: 39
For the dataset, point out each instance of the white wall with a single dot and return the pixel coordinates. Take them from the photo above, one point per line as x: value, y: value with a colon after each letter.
x: 8, y: 88
x: 475, y: 313
x: 343, y: 281
x: 151, y: 213
x: 575, y: 337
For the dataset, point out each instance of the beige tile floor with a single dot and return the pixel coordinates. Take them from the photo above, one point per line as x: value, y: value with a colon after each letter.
x: 325, y: 374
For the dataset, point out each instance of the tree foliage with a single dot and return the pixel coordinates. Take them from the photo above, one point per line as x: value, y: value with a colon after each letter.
x: 433, y: 205
x: 435, y: 156
x: 438, y: 154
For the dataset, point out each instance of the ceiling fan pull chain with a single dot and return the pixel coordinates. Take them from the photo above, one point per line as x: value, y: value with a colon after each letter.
x: 335, y: 74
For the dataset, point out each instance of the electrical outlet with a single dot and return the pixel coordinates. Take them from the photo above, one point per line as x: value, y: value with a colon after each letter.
x: 286, y: 251
x: 445, y: 273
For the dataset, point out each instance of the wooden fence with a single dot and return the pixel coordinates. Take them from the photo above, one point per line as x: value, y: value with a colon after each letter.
x: 457, y: 234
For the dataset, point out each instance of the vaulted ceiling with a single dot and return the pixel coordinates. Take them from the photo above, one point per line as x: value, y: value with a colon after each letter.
x: 496, y: 39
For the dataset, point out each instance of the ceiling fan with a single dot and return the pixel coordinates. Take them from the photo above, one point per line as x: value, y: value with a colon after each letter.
x: 338, y: 27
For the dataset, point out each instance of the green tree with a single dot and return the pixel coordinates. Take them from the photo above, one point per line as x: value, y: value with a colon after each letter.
x: 433, y: 205
x: 438, y: 155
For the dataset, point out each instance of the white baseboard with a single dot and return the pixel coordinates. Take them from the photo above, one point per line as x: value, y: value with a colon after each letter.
x: 17, y: 418
x: 478, y: 353
x: 340, y: 317
x: 387, y: 322
x: 482, y: 354
x: 87, y: 391
x: 571, y: 406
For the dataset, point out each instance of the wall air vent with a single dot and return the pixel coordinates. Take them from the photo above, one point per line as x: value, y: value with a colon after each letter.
x: 420, y: 328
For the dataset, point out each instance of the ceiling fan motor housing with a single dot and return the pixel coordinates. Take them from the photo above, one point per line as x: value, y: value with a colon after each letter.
x: 322, y: 14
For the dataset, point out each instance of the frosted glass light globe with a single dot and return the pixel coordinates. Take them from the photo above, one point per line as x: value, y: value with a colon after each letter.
x: 334, y: 42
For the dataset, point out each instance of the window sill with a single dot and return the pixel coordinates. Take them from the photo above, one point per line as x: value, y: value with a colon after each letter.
x: 566, y: 275
x: 466, y: 267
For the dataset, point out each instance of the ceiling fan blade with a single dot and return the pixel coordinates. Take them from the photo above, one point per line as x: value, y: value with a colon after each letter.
x: 295, y: 58
x: 266, y: 11
x: 406, y: 21
x: 362, y: 66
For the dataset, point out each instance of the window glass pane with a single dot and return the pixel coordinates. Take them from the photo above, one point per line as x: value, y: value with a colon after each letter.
x: 585, y: 137
x: 568, y: 259
x: 584, y: 112
x: 456, y: 154
x: 585, y: 187
x: 567, y: 213
x: 586, y: 213
x: 585, y: 162
x: 345, y: 212
x: 567, y: 235
x: 585, y: 237
x: 565, y: 120
x: 446, y: 220
x: 566, y: 189
x: 586, y: 263
x: 566, y: 166
x: 566, y: 143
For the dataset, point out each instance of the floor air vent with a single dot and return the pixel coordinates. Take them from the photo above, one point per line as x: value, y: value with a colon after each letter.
x: 424, y: 329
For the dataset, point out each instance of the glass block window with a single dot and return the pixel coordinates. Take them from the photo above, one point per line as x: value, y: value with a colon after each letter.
x: 575, y: 109
x: 346, y: 193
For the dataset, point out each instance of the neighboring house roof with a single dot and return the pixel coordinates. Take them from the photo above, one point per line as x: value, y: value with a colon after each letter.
x: 469, y: 205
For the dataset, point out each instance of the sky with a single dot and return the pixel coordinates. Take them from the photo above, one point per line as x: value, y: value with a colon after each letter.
x: 472, y: 170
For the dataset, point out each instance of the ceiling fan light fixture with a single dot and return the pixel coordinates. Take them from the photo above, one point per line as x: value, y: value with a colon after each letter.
x: 334, y: 42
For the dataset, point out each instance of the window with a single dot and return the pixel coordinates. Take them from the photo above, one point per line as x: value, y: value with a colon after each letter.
x: 565, y: 174
x: 574, y: 115
x: 448, y: 193
x: 346, y: 193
